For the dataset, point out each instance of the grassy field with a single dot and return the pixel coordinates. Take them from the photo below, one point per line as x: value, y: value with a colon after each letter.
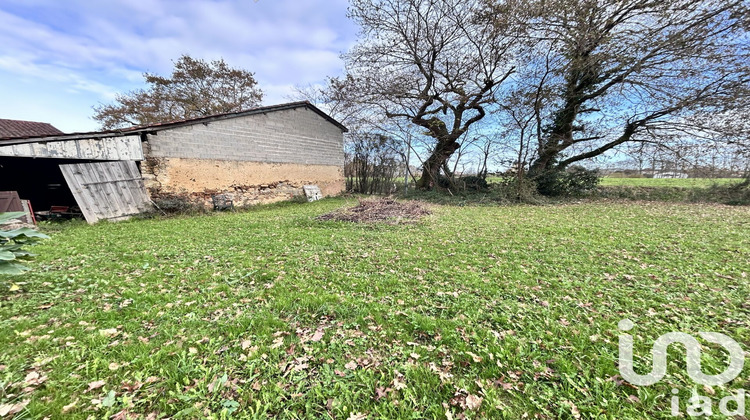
x: 474, y: 312
x: 668, y: 182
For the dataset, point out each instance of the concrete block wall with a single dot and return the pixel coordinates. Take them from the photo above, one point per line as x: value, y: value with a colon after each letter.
x: 296, y: 135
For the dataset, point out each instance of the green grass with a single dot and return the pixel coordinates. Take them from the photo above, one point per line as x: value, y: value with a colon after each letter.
x: 668, y: 182
x: 270, y: 313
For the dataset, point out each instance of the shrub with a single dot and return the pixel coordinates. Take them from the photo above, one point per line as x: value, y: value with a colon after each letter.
x: 464, y: 183
x: 473, y: 183
x: 13, y: 244
x: 513, y: 189
x: 575, y: 181
x: 735, y: 195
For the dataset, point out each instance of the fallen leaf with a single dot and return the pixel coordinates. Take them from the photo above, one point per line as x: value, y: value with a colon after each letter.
x: 277, y: 343
x: 109, y: 332
x: 10, y: 409
x: 33, y: 378
x: 356, y: 416
x: 246, y: 344
x: 473, y: 402
x: 351, y: 365
x: 318, y: 335
x: 122, y: 415
x: 109, y: 399
x: 70, y: 406
x: 574, y: 410
x: 95, y: 385
x: 477, y: 359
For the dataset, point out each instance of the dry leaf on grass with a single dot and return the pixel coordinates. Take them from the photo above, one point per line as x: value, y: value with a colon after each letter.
x: 277, y: 343
x: 473, y: 402
x: 109, y: 332
x: 318, y: 335
x: 10, y: 409
x: 95, y: 385
x: 70, y: 406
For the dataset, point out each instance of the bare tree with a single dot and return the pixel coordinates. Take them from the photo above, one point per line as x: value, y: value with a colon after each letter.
x: 630, y: 71
x: 196, y: 88
x: 433, y: 63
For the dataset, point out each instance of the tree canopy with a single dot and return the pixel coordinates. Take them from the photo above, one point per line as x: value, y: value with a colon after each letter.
x: 195, y: 88
x: 562, y: 81
x: 611, y: 73
x: 431, y: 63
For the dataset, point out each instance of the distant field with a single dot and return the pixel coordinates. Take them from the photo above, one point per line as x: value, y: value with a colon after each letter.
x: 667, y: 182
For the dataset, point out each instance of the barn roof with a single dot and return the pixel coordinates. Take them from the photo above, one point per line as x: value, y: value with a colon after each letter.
x: 22, y: 129
x: 153, y: 128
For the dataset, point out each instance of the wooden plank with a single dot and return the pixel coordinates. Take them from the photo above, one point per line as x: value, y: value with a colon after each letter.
x: 10, y: 202
x: 108, y: 149
x: 107, y: 190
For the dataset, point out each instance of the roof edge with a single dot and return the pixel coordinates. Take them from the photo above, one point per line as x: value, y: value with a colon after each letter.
x: 153, y: 128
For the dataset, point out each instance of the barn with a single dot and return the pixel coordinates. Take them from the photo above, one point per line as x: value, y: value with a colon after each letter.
x: 255, y: 156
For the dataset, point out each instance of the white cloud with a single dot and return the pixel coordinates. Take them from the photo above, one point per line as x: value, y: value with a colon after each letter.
x: 93, y: 49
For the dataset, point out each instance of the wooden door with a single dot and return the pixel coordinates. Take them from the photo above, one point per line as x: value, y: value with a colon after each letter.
x: 107, y: 190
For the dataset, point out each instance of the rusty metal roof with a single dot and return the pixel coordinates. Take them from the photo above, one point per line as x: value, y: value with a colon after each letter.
x: 22, y: 129
x: 153, y: 128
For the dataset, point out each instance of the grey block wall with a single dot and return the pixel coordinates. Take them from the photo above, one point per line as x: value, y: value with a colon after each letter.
x: 296, y: 135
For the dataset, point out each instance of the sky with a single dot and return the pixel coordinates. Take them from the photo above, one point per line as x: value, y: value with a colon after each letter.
x: 60, y: 58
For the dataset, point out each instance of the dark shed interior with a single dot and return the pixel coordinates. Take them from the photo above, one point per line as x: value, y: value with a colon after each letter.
x: 38, y: 180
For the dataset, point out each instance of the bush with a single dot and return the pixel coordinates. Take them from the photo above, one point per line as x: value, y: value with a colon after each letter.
x: 473, y: 183
x: 735, y: 195
x: 13, y: 244
x: 513, y: 189
x: 464, y: 183
x: 732, y: 194
x: 573, y: 182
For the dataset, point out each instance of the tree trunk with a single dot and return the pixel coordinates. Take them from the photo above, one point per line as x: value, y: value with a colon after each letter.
x: 431, y: 168
x: 543, y: 163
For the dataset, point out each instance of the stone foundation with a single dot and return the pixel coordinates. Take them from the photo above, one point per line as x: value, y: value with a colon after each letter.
x: 247, y: 183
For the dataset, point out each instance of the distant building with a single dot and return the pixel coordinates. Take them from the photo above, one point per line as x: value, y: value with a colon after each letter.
x: 18, y: 128
x: 670, y: 175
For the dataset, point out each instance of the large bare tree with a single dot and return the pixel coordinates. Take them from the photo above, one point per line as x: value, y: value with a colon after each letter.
x: 433, y: 63
x: 196, y: 88
x: 633, y: 71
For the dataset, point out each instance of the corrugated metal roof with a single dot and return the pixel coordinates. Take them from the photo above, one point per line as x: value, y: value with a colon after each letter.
x: 172, y: 124
x: 22, y: 129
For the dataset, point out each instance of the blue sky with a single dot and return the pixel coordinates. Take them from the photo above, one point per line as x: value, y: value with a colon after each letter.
x: 60, y: 58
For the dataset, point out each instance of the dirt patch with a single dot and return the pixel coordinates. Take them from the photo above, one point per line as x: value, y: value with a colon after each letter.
x: 379, y: 211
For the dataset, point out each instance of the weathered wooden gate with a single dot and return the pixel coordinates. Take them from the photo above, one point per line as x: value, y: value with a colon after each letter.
x: 107, y: 190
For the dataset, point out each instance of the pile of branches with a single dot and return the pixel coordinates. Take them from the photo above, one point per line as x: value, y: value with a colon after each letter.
x: 383, y: 210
